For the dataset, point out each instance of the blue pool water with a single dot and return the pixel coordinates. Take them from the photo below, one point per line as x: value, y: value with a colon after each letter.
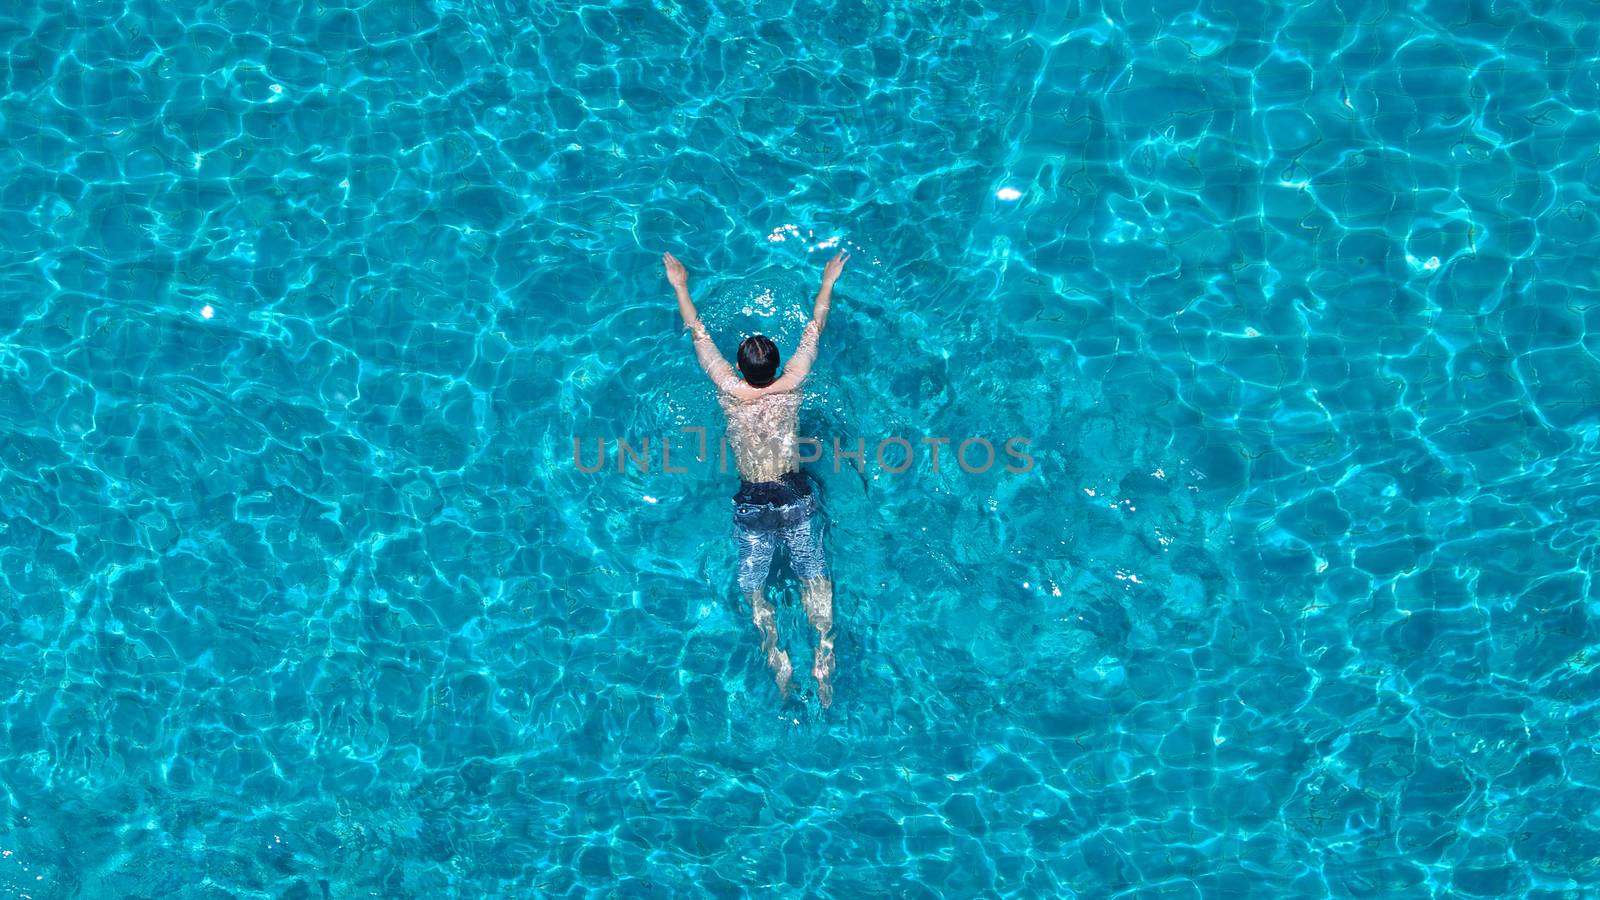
x: 304, y: 303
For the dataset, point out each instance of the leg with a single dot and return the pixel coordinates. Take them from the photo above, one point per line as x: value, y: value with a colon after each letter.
x: 755, y: 561
x: 805, y: 554
x: 817, y: 597
x: 764, y: 616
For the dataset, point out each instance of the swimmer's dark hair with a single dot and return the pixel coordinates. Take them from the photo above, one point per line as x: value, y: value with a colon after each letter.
x: 758, y: 360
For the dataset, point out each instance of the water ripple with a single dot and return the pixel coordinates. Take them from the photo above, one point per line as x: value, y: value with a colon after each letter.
x: 304, y: 304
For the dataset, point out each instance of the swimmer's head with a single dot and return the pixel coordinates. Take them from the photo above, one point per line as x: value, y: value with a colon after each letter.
x: 758, y: 360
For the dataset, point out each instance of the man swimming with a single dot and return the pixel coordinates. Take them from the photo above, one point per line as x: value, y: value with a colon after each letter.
x: 775, y: 501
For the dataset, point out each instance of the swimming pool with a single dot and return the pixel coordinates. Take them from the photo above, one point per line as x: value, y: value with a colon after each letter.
x: 305, y: 304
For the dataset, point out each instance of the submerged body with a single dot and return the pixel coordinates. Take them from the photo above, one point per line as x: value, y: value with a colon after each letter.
x: 775, y: 502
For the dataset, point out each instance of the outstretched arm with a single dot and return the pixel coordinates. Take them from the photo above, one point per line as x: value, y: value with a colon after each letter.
x: 704, y: 349
x: 678, y: 277
x: 806, y: 352
x: 830, y: 274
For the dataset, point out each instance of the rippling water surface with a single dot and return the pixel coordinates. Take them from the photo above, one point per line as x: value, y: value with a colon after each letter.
x: 302, y: 305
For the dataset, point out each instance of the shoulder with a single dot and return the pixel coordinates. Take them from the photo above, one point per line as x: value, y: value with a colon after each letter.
x: 738, y: 391
x: 786, y: 387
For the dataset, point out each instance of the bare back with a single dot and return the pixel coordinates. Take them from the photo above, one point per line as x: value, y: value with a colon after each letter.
x: 762, y: 432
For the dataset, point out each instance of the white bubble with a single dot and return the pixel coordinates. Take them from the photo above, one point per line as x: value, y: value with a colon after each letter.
x: 1008, y: 193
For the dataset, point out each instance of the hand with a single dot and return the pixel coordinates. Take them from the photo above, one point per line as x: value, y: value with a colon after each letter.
x: 830, y: 272
x: 677, y: 275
